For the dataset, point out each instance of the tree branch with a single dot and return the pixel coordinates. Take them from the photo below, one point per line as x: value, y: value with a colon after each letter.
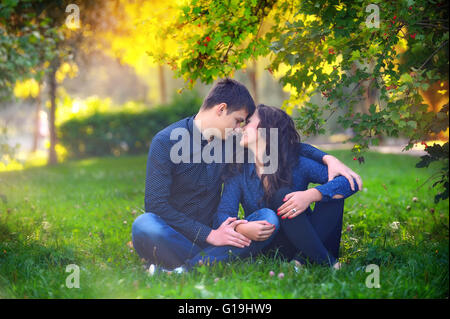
x: 433, y: 54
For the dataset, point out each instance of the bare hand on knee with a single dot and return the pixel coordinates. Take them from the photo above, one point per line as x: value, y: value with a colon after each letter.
x: 259, y: 230
x: 226, y: 235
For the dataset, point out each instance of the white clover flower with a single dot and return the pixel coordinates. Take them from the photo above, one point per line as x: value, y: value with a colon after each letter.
x: 394, y: 225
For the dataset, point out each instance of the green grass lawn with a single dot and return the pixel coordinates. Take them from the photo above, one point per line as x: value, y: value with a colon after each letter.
x: 81, y: 213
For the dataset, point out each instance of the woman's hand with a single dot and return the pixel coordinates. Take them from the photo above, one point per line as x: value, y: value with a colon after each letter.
x: 296, y: 203
x: 258, y: 230
x: 226, y: 235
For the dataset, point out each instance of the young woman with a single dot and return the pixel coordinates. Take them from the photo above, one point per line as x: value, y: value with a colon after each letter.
x: 303, y: 235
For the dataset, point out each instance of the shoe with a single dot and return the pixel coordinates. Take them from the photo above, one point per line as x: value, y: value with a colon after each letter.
x: 154, y: 269
x: 337, y: 265
x: 297, y: 266
x: 180, y: 270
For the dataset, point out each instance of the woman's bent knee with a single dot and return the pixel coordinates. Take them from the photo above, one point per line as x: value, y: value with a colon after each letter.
x: 277, y: 199
x: 268, y: 215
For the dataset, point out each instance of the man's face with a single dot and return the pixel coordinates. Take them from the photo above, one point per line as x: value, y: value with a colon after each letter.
x: 250, y: 132
x: 233, y: 120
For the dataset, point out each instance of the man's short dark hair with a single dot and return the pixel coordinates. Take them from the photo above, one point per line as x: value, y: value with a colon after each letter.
x: 231, y: 92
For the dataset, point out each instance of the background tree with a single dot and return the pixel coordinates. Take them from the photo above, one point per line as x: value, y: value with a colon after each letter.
x: 36, y: 41
x: 24, y: 44
x: 135, y: 37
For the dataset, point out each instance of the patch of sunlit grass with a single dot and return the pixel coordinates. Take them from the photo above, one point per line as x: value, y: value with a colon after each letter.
x: 25, y: 160
x: 424, y: 145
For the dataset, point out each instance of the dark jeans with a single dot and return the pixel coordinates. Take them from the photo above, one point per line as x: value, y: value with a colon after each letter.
x: 157, y: 242
x: 312, y: 236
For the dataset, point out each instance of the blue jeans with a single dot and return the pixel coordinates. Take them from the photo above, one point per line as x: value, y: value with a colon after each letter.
x: 312, y: 236
x: 156, y: 241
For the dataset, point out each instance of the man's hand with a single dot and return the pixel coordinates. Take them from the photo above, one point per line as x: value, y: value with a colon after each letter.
x: 336, y: 168
x: 259, y: 230
x: 296, y: 203
x: 225, y: 235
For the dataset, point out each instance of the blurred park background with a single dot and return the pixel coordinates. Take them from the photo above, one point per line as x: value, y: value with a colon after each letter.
x: 84, y: 85
x: 62, y: 63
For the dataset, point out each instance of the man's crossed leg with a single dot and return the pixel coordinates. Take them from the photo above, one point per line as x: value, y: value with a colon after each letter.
x: 157, y: 242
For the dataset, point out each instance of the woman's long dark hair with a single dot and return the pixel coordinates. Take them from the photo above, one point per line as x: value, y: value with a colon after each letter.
x: 288, y: 149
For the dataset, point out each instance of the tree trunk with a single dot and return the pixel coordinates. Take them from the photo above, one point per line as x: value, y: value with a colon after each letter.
x: 162, y: 85
x: 52, y: 158
x: 37, y: 121
x: 253, y: 82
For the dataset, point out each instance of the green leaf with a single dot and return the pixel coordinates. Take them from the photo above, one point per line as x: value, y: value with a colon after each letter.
x: 356, y: 55
x: 406, y: 78
x: 412, y: 124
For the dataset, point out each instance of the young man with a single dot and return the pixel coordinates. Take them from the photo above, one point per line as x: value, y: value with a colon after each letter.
x: 181, y: 197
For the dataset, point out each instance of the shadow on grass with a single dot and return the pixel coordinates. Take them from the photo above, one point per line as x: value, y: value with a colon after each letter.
x: 29, y: 269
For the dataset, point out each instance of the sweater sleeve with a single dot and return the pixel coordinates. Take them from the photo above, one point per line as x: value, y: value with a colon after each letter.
x: 318, y: 174
x: 309, y: 151
x: 229, y: 203
x: 157, y: 192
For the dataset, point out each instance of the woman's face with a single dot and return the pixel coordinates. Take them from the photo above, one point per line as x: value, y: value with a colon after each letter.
x: 250, y: 131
